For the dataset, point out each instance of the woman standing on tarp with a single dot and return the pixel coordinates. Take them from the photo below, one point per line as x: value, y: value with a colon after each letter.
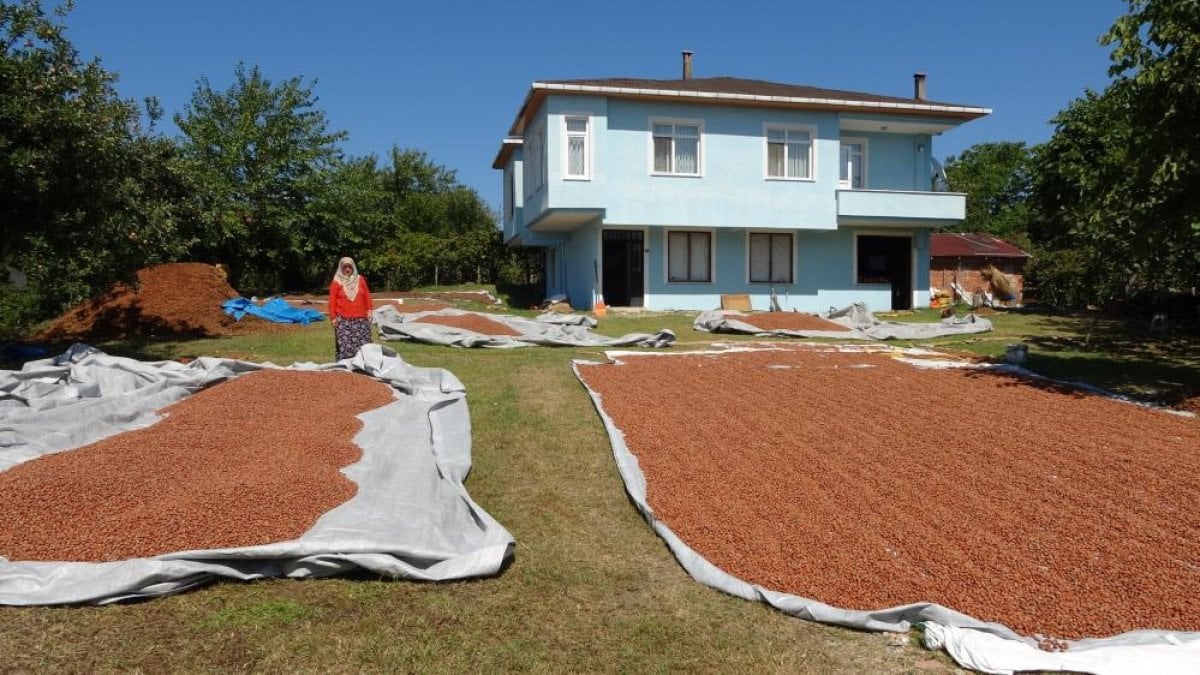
x: 349, y: 309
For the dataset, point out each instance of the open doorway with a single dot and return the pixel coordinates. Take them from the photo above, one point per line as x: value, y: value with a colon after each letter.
x: 624, y: 276
x: 884, y: 259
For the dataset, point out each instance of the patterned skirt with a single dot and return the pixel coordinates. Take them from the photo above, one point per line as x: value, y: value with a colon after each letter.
x: 350, y: 335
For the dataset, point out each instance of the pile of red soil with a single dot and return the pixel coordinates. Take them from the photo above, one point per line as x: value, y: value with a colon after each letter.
x: 248, y: 462
x: 864, y: 482
x: 790, y: 321
x: 474, y: 322
x: 171, y: 299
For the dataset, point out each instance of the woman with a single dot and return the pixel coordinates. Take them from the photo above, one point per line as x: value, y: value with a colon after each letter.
x: 349, y: 309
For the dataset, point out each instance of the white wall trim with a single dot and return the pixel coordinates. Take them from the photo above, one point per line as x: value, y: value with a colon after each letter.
x: 866, y: 163
x: 701, y: 152
x: 746, y: 257
x: 812, y: 152
x: 911, y: 234
x: 645, y: 258
x: 799, y: 100
x: 712, y: 256
x: 588, y: 146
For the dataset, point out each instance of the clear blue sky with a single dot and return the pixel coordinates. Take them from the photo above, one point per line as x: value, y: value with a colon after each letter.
x: 447, y: 77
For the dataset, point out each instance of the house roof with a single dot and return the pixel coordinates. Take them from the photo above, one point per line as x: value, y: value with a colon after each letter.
x: 740, y: 91
x: 971, y: 245
x: 736, y: 91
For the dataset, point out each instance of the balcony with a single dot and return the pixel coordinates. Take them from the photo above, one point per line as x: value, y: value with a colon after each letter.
x: 900, y: 207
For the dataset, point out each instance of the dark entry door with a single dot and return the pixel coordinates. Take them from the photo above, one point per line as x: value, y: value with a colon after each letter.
x: 624, y: 276
x: 887, y: 260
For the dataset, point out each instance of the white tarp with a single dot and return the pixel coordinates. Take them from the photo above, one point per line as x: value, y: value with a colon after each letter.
x: 411, y: 517
x: 548, y: 330
x: 860, y: 322
x: 985, y: 646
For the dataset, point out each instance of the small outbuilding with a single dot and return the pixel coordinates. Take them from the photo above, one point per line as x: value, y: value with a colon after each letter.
x: 965, y: 264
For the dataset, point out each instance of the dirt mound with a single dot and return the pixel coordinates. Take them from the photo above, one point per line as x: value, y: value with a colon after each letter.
x: 171, y: 299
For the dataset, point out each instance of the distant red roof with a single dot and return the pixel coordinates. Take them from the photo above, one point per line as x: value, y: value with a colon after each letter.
x: 971, y: 245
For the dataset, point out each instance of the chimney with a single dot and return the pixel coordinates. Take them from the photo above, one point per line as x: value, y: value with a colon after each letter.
x: 687, y: 64
x: 919, y: 86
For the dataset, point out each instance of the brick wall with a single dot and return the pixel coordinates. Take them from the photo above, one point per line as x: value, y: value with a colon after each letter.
x: 967, y: 271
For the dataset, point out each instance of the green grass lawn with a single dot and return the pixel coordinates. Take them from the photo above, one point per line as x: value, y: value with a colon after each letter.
x: 591, y: 586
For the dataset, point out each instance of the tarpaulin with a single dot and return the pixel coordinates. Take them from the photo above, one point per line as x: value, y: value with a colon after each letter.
x: 411, y: 517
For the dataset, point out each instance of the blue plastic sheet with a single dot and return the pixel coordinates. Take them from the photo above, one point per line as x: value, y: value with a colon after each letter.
x: 274, y: 309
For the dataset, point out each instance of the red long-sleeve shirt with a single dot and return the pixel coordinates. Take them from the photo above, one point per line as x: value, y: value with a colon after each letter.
x: 342, y: 306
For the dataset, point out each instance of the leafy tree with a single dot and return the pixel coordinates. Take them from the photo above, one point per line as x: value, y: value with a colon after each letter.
x: 1115, y: 185
x: 86, y: 195
x: 259, y: 153
x: 997, y: 180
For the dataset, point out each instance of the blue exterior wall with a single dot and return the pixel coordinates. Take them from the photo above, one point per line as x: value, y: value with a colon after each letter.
x: 515, y: 168
x: 732, y: 161
x: 581, y: 256
x: 730, y: 196
x: 896, y: 161
x: 823, y: 273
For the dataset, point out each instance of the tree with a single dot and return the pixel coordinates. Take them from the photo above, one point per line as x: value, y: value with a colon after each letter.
x: 996, y: 178
x: 259, y: 153
x: 86, y: 195
x: 1156, y: 63
x: 1116, y: 182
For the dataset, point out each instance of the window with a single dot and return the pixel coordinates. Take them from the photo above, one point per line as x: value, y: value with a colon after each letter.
x: 789, y: 153
x: 689, y: 256
x: 676, y: 148
x: 853, y: 169
x: 535, y: 160
x: 577, y: 147
x: 509, y: 197
x: 771, y: 257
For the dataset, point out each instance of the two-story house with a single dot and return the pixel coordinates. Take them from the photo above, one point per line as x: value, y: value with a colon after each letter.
x: 666, y: 194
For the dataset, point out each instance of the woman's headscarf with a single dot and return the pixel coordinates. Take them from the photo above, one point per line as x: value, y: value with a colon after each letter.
x: 349, y: 282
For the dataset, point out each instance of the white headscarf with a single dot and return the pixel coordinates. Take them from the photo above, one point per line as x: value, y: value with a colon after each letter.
x: 349, y: 282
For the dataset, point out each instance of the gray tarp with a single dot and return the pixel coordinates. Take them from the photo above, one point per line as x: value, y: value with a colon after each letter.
x: 411, y: 517
x: 987, y: 646
x: 548, y: 330
x: 862, y: 324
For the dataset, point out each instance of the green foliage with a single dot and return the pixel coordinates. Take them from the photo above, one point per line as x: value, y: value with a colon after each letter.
x: 1117, y: 181
x: 996, y: 178
x: 258, y: 153
x: 86, y: 195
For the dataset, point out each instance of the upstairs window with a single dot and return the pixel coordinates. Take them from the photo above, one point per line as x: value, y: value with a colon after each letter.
x: 577, y: 147
x: 676, y: 148
x: 535, y: 160
x: 689, y: 256
x: 789, y: 153
x: 509, y: 197
x: 771, y: 257
x: 853, y: 164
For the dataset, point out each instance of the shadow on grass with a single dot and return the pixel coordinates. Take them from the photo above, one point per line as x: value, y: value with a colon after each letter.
x: 520, y: 296
x: 1146, y: 380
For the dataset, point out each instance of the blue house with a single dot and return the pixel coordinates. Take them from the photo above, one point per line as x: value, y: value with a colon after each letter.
x: 666, y: 194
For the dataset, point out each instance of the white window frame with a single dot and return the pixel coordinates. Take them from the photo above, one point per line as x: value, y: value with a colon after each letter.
x: 812, y: 151
x: 848, y: 184
x: 712, y: 254
x: 674, y: 122
x: 792, y: 246
x: 587, y: 147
